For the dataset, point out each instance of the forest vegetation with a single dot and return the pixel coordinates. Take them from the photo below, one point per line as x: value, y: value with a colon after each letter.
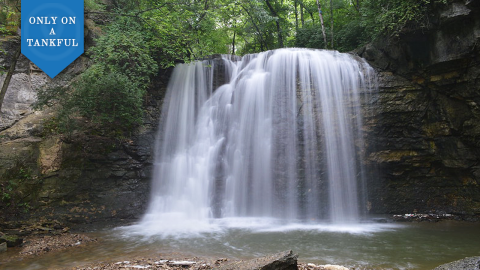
x: 139, y: 37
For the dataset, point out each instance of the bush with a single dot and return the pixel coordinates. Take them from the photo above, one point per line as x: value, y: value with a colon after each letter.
x: 309, y: 37
x: 108, y: 97
x: 111, y: 91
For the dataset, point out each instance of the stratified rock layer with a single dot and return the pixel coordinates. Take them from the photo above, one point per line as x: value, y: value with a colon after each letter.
x: 425, y: 126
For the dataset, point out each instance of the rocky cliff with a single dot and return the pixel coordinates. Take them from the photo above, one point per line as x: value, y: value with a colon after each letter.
x: 425, y: 132
x: 76, y: 178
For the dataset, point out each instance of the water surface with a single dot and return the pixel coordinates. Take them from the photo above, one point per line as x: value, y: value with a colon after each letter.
x: 364, y: 246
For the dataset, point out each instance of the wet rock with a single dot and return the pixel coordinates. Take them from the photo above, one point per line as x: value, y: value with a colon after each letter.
x: 3, y: 247
x: 422, y: 217
x: 470, y: 263
x: 281, y: 261
x: 11, y: 240
x: 311, y: 266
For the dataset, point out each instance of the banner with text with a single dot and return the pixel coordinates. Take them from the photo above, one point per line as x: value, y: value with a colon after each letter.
x: 52, y: 33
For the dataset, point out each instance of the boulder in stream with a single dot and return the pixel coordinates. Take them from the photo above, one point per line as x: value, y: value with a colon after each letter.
x: 281, y: 261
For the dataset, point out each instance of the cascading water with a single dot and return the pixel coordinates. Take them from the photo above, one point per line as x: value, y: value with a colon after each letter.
x: 281, y: 138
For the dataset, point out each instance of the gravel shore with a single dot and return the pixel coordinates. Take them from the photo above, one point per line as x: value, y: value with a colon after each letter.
x: 39, y: 245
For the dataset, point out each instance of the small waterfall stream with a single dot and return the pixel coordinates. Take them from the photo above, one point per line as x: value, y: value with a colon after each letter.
x: 280, y: 138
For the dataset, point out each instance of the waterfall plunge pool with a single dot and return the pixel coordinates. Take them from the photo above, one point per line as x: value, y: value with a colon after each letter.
x: 360, y: 246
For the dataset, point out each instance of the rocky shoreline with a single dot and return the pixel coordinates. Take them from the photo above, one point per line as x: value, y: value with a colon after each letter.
x: 34, y: 246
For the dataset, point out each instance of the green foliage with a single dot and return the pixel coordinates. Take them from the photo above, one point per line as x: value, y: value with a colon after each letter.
x: 351, y: 36
x: 125, y: 50
x: 356, y: 25
x: 142, y: 35
x: 111, y: 91
x: 390, y: 17
x: 309, y: 37
x: 9, y: 16
x: 108, y: 97
x: 93, y: 5
x: 183, y: 30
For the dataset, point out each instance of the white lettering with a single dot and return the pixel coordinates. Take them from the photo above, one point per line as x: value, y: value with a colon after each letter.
x: 52, y: 32
x: 44, y: 20
x: 69, y: 20
x: 52, y: 42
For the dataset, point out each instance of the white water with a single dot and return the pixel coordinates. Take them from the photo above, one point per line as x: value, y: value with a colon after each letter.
x: 282, y: 140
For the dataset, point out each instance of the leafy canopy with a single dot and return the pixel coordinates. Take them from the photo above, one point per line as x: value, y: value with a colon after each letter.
x: 141, y: 36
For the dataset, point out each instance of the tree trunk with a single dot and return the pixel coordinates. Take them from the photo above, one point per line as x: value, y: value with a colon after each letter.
x: 331, y: 22
x: 296, y: 16
x: 277, y: 22
x: 233, y: 43
x: 301, y: 15
x: 9, y: 75
x: 256, y: 27
x: 321, y: 21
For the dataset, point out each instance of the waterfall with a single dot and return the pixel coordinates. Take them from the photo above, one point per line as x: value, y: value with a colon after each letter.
x: 281, y: 137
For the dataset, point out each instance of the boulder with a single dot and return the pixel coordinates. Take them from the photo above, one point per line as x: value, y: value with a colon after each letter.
x: 11, y: 240
x: 281, y: 261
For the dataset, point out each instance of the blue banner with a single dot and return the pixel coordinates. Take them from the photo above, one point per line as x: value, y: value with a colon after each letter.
x: 52, y: 33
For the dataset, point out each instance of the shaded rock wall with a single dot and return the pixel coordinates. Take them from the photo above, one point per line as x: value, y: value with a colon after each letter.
x: 426, y: 126
x: 77, y: 178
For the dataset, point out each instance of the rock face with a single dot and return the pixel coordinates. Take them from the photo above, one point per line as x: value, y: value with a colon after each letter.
x: 470, y: 263
x: 21, y: 91
x: 79, y: 178
x: 425, y: 129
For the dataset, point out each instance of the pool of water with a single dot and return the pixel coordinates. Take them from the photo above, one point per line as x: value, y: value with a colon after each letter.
x: 360, y: 246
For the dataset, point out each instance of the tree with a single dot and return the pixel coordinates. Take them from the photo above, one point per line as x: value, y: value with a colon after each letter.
x: 321, y: 21
x: 10, y: 72
x: 9, y: 14
x: 331, y: 23
x: 277, y: 23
